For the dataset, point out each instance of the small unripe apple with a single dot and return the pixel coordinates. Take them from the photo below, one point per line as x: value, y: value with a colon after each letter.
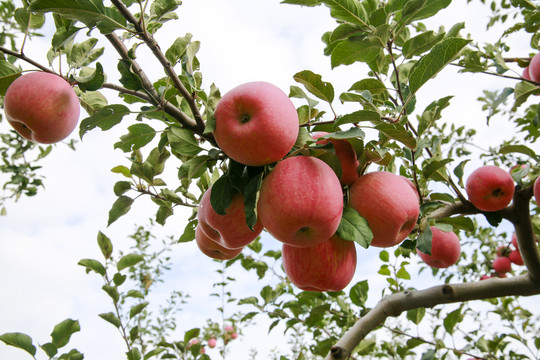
x: 534, y: 68
x: 515, y: 257
x: 256, y: 123
x: 502, y: 265
x: 445, y: 249
x: 212, y: 249
x: 229, y: 230
x: 327, y: 266
x: 388, y: 203
x: 346, y: 155
x: 212, y: 343
x: 42, y: 107
x: 490, y: 188
x: 301, y: 201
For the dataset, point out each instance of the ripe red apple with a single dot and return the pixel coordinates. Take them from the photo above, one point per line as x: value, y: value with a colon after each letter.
x: 388, y: 203
x: 327, y: 266
x: 502, y: 265
x: 228, y: 328
x: 526, y: 74
x: 256, y: 123
x: 301, y: 201
x: 536, y: 190
x: 42, y: 107
x: 445, y: 249
x: 346, y: 155
x: 514, y: 240
x: 212, y: 249
x: 212, y: 342
x: 534, y: 68
x: 230, y: 230
x: 485, y: 277
x: 515, y: 257
x: 234, y: 335
x: 490, y: 188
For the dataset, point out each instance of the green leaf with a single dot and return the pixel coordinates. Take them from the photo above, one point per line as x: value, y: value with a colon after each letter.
x: 437, y: 167
x: 28, y: 20
x: 73, y: 354
x: 356, y: 49
x: 93, y: 13
x: 50, y: 349
x: 130, y: 80
x: 162, y: 7
x: 8, y: 74
x: 63, y: 331
x: 522, y: 91
x: 352, y: 133
x: 431, y: 64
x: 135, y: 294
x: 222, y: 194
x: 92, y: 101
x: 358, y: 116
x: 416, y: 315
x: 112, y: 291
x: 128, y: 261
x: 421, y: 43
x: 82, y: 54
x: 314, y: 84
x: 432, y: 113
x: 19, y: 340
x: 359, y: 293
x: 135, y: 310
x: 105, y: 245
x: 354, y: 227
x: 111, y: 318
x: 137, y: 137
x: 251, y: 196
x: 399, y: 133
x: 104, y: 118
x: 452, y: 319
x: 191, y: 334
x: 350, y: 11
x: 121, y: 187
x: 120, y: 169
x: 303, y: 2
x: 93, y: 265
x: 93, y: 81
x: 521, y: 149
x: 430, y: 8
x: 424, y: 241
x: 175, y: 52
x: 121, y: 206
x: 183, y: 141
x: 458, y: 222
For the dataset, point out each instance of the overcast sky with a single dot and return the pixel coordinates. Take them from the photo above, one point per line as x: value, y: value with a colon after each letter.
x: 44, y: 237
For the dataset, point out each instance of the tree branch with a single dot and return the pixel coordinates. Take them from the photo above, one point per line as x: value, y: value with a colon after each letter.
x: 26, y: 59
x: 395, y: 304
x: 169, y: 70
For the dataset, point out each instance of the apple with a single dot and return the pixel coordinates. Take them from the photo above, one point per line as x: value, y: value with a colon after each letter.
x: 490, y: 188
x: 536, y: 190
x: 534, y: 68
x: 42, y: 107
x: 301, y: 201
x: 212, y: 343
x: 228, y: 328
x: 212, y: 249
x: 346, y: 155
x: 515, y: 257
x: 502, y: 265
x: 230, y: 230
x: 388, y: 203
x: 327, y: 266
x: 526, y: 74
x: 445, y: 249
x: 256, y: 123
x: 234, y: 335
x: 485, y: 277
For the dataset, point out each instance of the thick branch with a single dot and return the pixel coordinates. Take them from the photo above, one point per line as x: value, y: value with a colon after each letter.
x: 169, y: 70
x: 395, y: 304
x: 518, y: 214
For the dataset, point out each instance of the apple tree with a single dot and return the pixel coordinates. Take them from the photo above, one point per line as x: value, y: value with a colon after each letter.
x: 411, y: 191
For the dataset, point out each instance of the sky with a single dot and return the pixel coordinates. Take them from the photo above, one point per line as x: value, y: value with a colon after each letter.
x: 43, y: 238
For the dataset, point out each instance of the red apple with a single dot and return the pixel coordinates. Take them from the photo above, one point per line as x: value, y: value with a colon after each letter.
x: 301, y: 201
x: 234, y: 335
x: 515, y: 257
x: 526, y: 74
x: 445, y: 249
x: 485, y: 277
x: 534, y: 68
x: 256, y: 123
x: 327, y: 266
x: 514, y: 240
x: 502, y: 265
x: 212, y: 343
x: 212, y: 249
x: 346, y: 155
x: 490, y: 188
x: 388, y: 203
x: 42, y: 107
x: 536, y: 190
x: 230, y: 230
x: 228, y: 328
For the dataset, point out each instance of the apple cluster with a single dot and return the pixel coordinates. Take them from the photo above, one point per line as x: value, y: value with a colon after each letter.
x: 42, y: 107
x: 301, y: 199
x: 506, y: 256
